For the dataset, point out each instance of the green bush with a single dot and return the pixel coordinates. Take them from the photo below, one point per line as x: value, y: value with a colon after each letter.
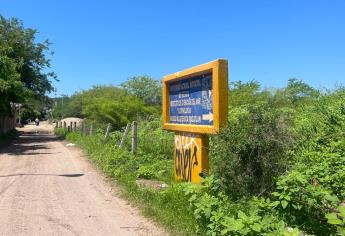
x: 216, y: 214
x: 253, y: 150
x: 153, y: 140
x: 61, y: 132
x: 314, y: 187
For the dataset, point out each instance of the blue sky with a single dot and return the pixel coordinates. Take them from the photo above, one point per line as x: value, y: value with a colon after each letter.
x: 105, y: 42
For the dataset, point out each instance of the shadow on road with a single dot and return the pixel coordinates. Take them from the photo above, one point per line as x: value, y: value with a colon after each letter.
x: 30, y: 143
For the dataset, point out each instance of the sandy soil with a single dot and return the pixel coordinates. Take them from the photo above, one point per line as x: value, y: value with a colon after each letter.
x: 49, y: 189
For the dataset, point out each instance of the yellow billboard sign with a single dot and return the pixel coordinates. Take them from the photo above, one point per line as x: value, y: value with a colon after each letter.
x: 195, y: 103
x: 196, y: 100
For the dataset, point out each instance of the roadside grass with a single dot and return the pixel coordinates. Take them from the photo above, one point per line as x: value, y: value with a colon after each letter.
x: 169, y: 207
x: 5, y: 139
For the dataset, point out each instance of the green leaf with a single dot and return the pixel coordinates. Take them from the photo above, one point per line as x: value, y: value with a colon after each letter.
x: 333, y: 219
x: 331, y: 198
x: 342, y: 211
x: 237, y: 225
x: 341, y: 232
x: 224, y: 231
x: 275, y: 203
x: 242, y: 215
x: 284, y: 204
x: 256, y: 227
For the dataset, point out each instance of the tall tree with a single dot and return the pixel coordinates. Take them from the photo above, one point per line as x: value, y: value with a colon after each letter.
x: 297, y: 91
x: 23, y: 64
x: 109, y: 104
x: 144, y: 87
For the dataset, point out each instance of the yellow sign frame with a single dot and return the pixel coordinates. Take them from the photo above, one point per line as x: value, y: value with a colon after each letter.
x: 219, y: 70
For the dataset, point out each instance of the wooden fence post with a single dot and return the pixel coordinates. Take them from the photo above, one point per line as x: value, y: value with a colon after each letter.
x: 91, y: 129
x: 75, y: 126
x: 125, y: 135
x: 106, y: 136
x: 82, y: 128
x: 134, y: 137
x: 64, y: 124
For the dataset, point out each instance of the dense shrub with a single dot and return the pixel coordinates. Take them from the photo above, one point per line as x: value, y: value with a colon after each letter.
x: 155, y: 141
x: 253, y: 150
x: 218, y: 215
x: 315, y: 187
x: 258, y: 144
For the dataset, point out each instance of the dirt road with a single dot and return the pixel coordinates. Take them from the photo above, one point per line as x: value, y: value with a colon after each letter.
x: 49, y: 189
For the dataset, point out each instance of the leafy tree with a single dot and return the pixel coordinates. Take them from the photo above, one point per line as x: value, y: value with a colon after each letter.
x: 246, y: 93
x: 36, y: 108
x: 145, y: 88
x: 108, y: 104
x: 298, y: 91
x: 66, y: 106
x: 10, y: 85
x: 23, y: 64
x: 104, y: 104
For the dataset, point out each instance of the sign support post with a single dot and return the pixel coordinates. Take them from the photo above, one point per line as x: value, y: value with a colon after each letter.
x: 190, y: 156
x: 195, y: 104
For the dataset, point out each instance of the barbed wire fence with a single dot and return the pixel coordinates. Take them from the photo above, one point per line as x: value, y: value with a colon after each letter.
x: 144, y: 137
x: 89, y: 129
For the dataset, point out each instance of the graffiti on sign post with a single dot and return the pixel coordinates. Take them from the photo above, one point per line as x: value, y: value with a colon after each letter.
x: 186, y: 159
x: 189, y: 150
